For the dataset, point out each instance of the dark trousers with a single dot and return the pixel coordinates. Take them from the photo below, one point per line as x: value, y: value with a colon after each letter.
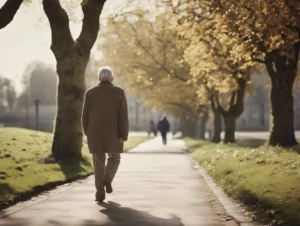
x: 164, y: 137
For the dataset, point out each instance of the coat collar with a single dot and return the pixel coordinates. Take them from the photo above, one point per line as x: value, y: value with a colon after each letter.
x: 105, y: 83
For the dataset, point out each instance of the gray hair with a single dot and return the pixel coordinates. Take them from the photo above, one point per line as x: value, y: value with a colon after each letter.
x: 105, y: 74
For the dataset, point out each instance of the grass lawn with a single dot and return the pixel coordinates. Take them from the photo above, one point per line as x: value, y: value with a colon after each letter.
x: 25, y: 164
x: 135, y: 141
x: 261, y: 177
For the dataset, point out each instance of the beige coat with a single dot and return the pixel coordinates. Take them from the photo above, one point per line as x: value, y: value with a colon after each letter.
x: 105, y: 118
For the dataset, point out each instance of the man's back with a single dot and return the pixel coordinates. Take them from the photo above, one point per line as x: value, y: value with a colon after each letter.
x: 105, y: 122
x: 107, y: 119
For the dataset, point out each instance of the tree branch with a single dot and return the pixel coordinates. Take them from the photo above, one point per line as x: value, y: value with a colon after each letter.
x: 232, y: 100
x: 90, y: 23
x: 59, y: 22
x: 158, y: 63
x: 239, y: 105
x: 8, y: 11
x: 145, y: 49
x: 219, y: 107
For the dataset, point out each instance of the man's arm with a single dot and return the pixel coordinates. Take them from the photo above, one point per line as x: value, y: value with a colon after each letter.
x: 123, y: 118
x: 85, y: 114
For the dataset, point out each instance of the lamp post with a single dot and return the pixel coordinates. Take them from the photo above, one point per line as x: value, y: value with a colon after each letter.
x: 37, y: 103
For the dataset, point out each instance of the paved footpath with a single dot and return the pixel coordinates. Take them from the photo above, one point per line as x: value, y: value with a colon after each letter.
x: 155, y: 186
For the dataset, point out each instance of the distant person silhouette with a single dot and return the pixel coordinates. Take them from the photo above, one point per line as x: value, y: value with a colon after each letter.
x: 151, y: 128
x: 164, y: 127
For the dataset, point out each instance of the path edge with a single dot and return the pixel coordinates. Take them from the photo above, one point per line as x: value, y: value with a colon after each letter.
x: 38, y: 190
x: 232, y: 207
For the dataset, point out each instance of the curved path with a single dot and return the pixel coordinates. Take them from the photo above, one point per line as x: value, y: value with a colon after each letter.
x: 155, y: 186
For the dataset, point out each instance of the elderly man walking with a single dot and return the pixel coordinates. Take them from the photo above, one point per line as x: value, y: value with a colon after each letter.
x: 105, y: 123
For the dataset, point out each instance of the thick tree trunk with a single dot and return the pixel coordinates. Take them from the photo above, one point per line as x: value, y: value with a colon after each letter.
x: 70, y: 95
x: 236, y: 107
x: 71, y: 57
x: 217, y: 130
x: 283, y: 73
x: 229, y: 122
x: 203, y: 123
x: 282, y: 118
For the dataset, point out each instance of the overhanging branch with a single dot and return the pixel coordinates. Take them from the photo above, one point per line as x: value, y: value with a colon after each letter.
x: 90, y: 23
x: 59, y: 22
x: 8, y: 11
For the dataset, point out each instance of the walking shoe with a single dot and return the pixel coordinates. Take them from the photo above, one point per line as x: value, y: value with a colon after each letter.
x: 107, y: 186
x: 99, y: 200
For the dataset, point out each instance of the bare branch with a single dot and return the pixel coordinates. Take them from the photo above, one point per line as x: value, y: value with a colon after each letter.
x: 91, y: 23
x: 59, y: 22
x: 232, y: 100
x: 8, y: 11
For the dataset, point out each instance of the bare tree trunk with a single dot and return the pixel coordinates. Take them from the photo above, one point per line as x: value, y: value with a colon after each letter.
x: 229, y: 122
x: 217, y: 123
x: 283, y: 72
x: 236, y: 107
x: 72, y: 57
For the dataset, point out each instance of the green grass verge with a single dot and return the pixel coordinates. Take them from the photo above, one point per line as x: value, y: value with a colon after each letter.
x: 25, y: 165
x: 259, y: 176
x: 135, y: 141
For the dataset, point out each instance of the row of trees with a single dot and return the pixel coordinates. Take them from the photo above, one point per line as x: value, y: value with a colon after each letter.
x: 197, y: 57
x: 200, y: 58
x: 265, y: 32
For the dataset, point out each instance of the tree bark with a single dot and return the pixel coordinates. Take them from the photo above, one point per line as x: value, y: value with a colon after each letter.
x: 70, y: 96
x: 8, y: 12
x: 236, y: 108
x: 229, y: 122
x: 203, y: 123
x: 72, y: 58
x: 283, y: 72
x: 217, y: 123
x: 262, y: 114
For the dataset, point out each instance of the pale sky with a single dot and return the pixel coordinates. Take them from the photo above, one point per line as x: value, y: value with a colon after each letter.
x: 28, y: 37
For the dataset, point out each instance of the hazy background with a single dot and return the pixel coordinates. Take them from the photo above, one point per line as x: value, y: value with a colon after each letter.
x: 28, y: 36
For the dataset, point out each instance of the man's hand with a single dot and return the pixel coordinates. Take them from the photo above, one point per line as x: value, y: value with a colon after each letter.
x: 122, y: 140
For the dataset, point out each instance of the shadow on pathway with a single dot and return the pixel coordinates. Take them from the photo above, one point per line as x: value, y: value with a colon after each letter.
x: 128, y: 217
x: 117, y: 216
